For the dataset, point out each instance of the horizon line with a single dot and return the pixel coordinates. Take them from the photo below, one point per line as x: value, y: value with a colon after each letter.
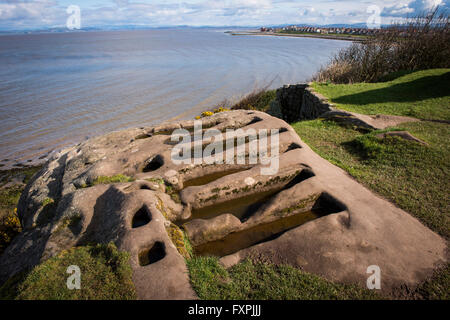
x: 133, y: 26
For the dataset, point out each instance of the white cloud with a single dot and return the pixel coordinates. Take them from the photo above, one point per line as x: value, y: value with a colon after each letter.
x: 414, y: 7
x: 50, y: 13
x: 121, y: 3
x: 308, y: 11
x: 29, y: 13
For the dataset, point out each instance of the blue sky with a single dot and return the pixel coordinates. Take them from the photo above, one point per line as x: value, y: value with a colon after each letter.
x: 38, y: 14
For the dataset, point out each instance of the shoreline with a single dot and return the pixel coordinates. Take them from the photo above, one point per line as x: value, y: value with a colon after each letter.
x: 164, y: 94
x: 272, y: 34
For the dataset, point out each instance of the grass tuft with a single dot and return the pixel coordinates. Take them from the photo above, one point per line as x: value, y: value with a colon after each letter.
x: 105, y: 275
x: 251, y: 280
x: 9, y: 197
x: 257, y: 100
x: 114, y: 179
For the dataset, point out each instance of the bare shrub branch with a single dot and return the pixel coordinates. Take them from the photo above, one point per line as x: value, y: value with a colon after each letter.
x: 422, y: 42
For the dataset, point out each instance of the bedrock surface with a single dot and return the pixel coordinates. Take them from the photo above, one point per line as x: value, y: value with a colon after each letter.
x: 124, y: 188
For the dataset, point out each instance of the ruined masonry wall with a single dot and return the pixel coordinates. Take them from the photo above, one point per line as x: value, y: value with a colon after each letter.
x: 300, y: 102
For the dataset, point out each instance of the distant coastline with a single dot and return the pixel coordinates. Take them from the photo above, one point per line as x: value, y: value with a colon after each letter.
x: 168, y: 74
x: 277, y: 34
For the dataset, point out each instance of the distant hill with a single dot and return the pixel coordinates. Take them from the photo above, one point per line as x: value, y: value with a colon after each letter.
x: 140, y: 27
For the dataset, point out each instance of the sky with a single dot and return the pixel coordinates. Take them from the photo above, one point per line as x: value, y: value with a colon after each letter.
x: 43, y: 14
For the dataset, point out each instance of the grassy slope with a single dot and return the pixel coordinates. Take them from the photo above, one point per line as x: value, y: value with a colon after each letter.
x: 422, y: 94
x: 413, y: 176
x: 260, y: 281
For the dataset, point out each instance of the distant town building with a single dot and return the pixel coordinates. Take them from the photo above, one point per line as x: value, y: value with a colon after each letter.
x: 323, y: 30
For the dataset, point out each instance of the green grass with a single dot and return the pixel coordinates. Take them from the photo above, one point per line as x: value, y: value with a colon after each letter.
x: 29, y: 172
x: 114, y: 179
x: 437, y: 287
x: 413, y: 176
x: 422, y: 94
x: 119, y: 178
x: 258, y: 100
x: 105, y: 275
x: 9, y: 197
x: 260, y: 281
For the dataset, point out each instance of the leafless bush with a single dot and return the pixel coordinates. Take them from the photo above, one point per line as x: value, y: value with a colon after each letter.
x: 422, y: 42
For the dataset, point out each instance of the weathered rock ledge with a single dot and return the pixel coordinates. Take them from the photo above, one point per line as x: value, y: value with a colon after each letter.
x: 124, y: 188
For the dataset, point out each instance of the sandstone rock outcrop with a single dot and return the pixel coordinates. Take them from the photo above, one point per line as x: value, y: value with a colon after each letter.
x: 125, y: 187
